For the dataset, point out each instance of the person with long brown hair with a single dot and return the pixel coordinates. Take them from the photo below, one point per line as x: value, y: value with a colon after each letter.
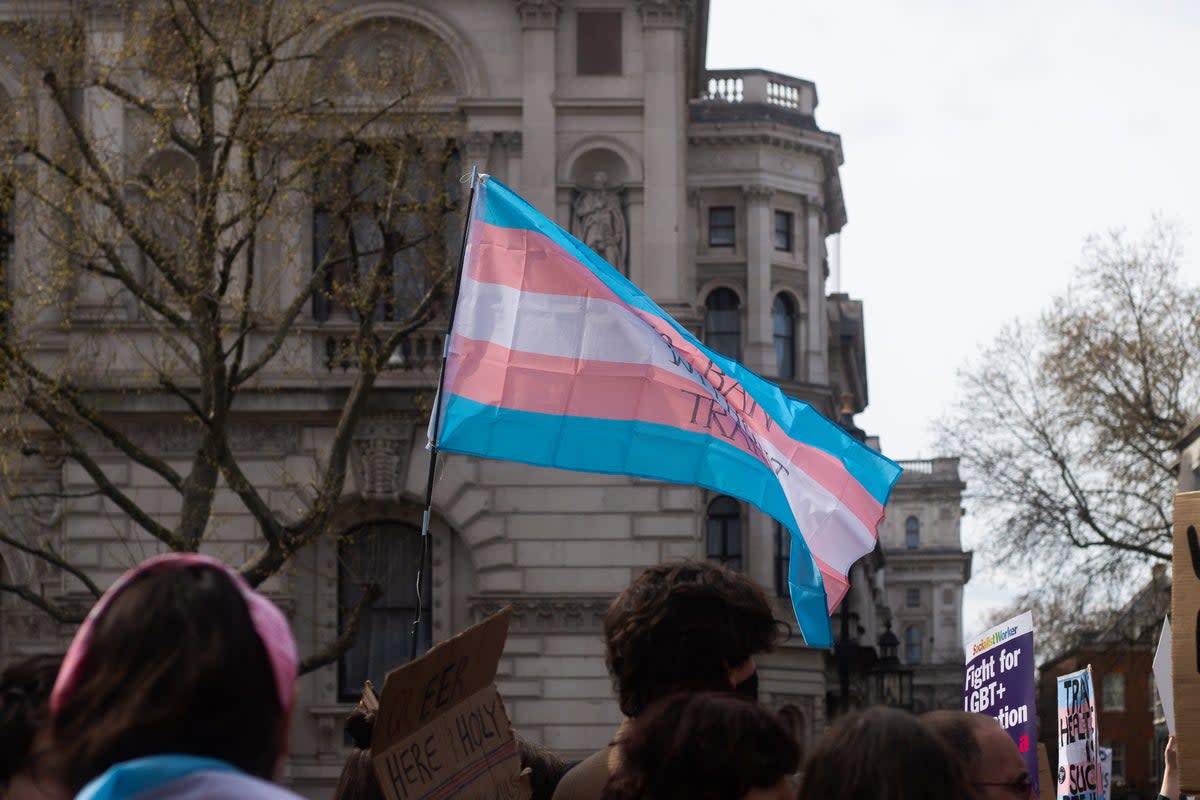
x: 180, y: 683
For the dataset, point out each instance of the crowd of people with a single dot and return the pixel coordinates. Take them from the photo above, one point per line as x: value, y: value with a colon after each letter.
x: 182, y: 680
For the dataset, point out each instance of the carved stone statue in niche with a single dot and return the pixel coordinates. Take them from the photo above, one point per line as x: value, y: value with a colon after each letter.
x: 598, y: 220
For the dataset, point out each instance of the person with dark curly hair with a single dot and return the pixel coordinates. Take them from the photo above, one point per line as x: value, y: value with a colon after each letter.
x: 24, y: 709
x: 705, y: 746
x: 883, y: 754
x: 686, y: 626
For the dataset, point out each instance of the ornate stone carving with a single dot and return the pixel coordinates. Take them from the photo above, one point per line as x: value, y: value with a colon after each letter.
x: 758, y: 192
x: 381, y: 447
x: 546, y: 615
x: 598, y: 220
x: 538, y: 13
x: 511, y: 141
x: 373, y: 61
x: 666, y: 13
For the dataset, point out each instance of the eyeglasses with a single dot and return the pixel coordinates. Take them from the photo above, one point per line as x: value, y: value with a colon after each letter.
x: 1021, y: 786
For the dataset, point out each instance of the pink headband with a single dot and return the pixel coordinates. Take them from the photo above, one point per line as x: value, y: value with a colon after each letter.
x: 267, y: 619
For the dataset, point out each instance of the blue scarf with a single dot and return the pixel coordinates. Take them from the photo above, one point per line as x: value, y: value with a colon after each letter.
x: 130, y: 778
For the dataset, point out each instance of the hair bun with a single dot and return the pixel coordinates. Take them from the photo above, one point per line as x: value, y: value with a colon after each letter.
x: 360, y: 725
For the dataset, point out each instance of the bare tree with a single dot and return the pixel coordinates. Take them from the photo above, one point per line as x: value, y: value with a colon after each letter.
x: 158, y: 263
x: 1067, y: 424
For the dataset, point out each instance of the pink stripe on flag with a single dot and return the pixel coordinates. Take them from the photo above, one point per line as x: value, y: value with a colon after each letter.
x: 491, y: 374
x: 527, y: 260
x: 494, y: 375
x: 836, y: 584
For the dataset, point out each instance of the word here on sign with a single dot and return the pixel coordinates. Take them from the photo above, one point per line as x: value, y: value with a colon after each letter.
x: 442, y: 730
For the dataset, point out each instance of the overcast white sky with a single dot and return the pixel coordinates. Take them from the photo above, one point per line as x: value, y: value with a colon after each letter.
x: 983, y: 142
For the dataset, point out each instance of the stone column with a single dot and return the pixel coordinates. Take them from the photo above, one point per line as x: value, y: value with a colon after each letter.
x: 758, y: 350
x: 818, y: 315
x: 664, y: 30
x: 510, y: 158
x: 104, y: 121
x: 636, y: 234
x: 539, y: 19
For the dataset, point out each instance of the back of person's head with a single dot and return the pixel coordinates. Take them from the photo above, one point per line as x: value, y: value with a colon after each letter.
x: 956, y: 729
x: 684, y: 626
x: 358, y: 780
x: 179, y: 657
x: 882, y: 754
x: 24, y: 708
x: 703, y: 746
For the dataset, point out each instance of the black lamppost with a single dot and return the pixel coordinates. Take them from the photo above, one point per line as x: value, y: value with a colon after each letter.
x: 891, y: 682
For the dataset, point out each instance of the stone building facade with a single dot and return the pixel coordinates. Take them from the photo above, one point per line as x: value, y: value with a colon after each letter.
x: 714, y: 190
x: 925, y: 575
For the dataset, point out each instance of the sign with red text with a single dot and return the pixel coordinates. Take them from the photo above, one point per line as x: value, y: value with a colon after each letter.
x: 999, y: 682
x: 442, y: 730
x: 1080, y: 773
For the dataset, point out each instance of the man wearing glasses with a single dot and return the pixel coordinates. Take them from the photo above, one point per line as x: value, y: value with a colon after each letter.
x: 989, y: 755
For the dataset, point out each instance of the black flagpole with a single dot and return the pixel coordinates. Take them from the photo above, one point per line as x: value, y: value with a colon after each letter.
x: 435, y: 423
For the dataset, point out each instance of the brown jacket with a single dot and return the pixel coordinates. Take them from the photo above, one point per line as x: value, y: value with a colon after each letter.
x: 586, y: 780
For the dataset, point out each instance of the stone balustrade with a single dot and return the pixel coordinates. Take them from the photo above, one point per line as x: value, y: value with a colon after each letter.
x: 760, y: 86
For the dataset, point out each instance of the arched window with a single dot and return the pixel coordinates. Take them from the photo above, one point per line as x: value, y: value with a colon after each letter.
x: 388, y: 554
x: 913, y: 640
x: 725, y: 532
x: 358, y: 236
x: 783, y: 319
x: 912, y: 533
x: 722, y: 323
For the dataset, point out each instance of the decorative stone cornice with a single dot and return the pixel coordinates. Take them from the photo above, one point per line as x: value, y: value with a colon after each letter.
x: 477, y: 145
x: 184, y: 437
x: 666, y: 13
x: 538, y: 13
x: 545, y: 614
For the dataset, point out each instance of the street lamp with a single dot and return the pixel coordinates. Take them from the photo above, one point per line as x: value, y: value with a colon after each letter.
x: 891, y: 682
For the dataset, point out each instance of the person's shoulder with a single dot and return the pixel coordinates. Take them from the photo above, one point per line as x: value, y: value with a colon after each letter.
x: 219, y: 786
x: 585, y: 780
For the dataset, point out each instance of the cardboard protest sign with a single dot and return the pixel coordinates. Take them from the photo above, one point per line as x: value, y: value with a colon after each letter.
x: 1106, y: 773
x: 1045, y: 778
x: 1000, y: 683
x: 1185, y: 645
x: 442, y: 730
x: 1078, y: 739
x: 1162, y: 676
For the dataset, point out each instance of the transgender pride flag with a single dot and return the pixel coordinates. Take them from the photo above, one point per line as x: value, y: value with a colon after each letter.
x: 557, y: 360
